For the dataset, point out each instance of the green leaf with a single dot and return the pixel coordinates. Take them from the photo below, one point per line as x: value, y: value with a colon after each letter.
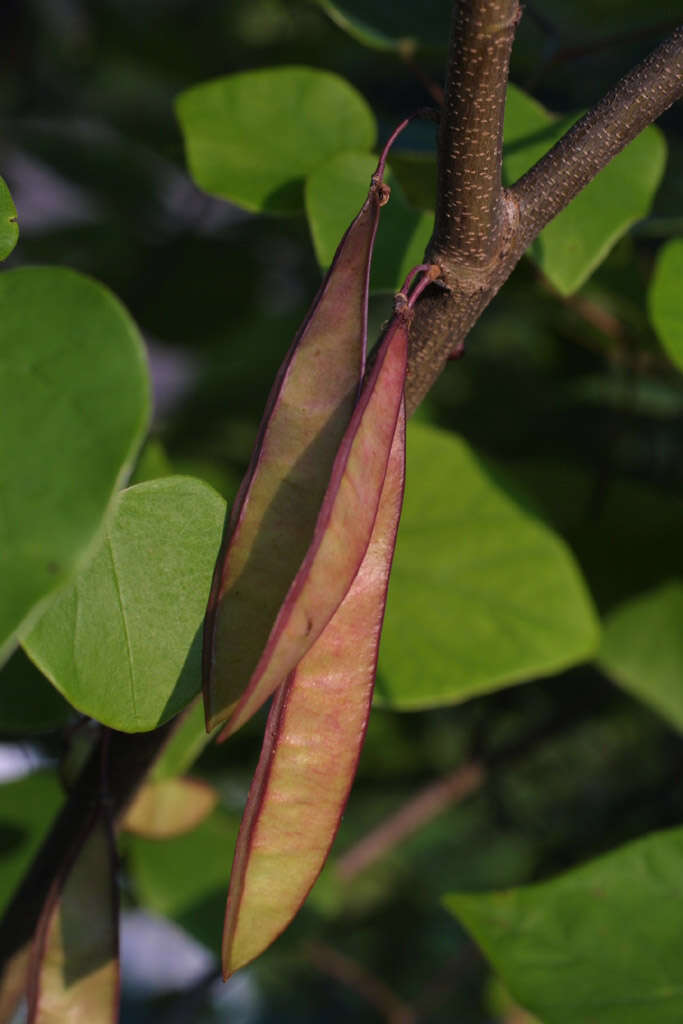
x: 664, y: 300
x: 482, y: 594
x: 600, y: 944
x: 27, y: 808
x: 165, y: 808
x: 642, y: 649
x: 188, y: 739
x: 416, y: 174
x: 401, y: 27
x: 9, y: 229
x: 123, y: 642
x: 359, y: 29
x: 253, y: 137
x: 620, y: 554
x: 28, y: 702
x: 168, y: 880
x: 333, y: 193
x: 570, y: 248
x: 73, y: 408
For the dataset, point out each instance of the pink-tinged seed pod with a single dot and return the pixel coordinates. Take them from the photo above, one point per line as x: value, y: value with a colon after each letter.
x: 74, y: 969
x: 314, y: 735
x: 345, y: 523
x: 274, y: 516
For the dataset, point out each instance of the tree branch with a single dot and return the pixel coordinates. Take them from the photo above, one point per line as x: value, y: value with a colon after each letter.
x: 445, y: 315
x: 638, y: 99
x: 420, y: 809
x: 470, y: 213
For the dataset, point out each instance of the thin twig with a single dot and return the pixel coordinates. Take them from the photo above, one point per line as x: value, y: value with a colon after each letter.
x: 422, y: 808
x: 356, y: 977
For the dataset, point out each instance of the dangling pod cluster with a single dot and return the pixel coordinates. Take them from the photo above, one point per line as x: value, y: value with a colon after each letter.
x: 299, y: 589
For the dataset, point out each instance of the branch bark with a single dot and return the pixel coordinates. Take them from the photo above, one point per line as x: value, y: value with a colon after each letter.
x: 477, y: 252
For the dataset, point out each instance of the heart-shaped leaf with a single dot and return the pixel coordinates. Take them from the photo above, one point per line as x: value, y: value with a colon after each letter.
x: 253, y: 137
x: 482, y: 593
x: 123, y: 642
x: 9, y: 229
x: 642, y: 649
x: 601, y: 943
x: 73, y: 407
x: 664, y: 300
x: 169, y: 807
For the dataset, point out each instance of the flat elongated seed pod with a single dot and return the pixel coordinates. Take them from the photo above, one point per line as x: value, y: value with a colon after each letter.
x: 314, y: 736
x: 74, y: 971
x: 274, y: 515
x: 344, y: 525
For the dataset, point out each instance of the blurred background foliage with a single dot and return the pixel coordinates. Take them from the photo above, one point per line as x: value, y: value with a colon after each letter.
x: 570, y: 395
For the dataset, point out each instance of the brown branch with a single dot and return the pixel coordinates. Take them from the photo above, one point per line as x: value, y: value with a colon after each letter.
x: 413, y: 815
x: 445, y: 315
x: 637, y: 100
x: 470, y: 215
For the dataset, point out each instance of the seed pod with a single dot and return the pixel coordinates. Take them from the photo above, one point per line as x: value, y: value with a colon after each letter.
x: 74, y: 969
x: 343, y: 529
x: 314, y: 735
x: 275, y: 512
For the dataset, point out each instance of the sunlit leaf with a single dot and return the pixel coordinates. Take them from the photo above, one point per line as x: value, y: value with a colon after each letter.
x: 123, y: 642
x: 482, y: 593
x: 333, y: 192
x: 253, y: 137
x: 169, y: 807
x: 665, y: 300
x: 601, y: 943
x: 73, y: 406
x: 9, y: 229
x: 642, y: 649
